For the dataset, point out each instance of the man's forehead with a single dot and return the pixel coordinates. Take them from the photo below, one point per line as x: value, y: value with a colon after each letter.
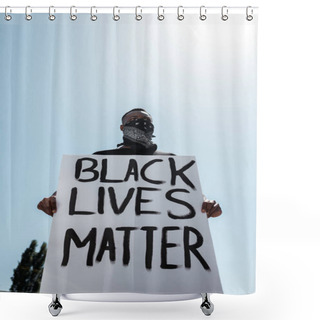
x: 137, y: 114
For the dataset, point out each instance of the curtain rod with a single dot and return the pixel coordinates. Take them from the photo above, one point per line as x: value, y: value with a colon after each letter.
x: 139, y: 11
x: 109, y: 9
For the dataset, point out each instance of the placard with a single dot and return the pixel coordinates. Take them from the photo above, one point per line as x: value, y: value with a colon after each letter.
x: 130, y: 224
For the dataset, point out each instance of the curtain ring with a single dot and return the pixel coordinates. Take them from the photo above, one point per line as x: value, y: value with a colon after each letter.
x: 6, y: 15
x: 138, y: 16
x: 203, y: 13
x: 249, y: 16
x: 73, y: 17
x: 180, y: 16
x: 224, y: 13
x: 28, y: 16
x: 160, y: 16
x: 93, y: 16
x: 116, y: 17
x: 51, y: 16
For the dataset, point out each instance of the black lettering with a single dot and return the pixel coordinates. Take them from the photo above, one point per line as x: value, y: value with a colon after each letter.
x: 145, y: 167
x: 164, y: 246
x: 104, y: 171
x: 126, y: 244
x: 72, y: 204
x: 132, y: 170
x: 189, y: 215
x: 71, y: 235
x: 140, y: 200
x: 193, y: 247
x: 101, y: 194
x: 113, y: 200
x: 107, y: 243
x: 90, y: 169
x: 149, y: 245
x: 175, y: 173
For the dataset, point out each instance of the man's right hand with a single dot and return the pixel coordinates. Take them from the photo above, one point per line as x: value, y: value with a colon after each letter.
x: 48, y: 205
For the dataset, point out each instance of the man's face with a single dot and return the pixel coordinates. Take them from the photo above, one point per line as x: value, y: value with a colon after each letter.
x: 135, y: 115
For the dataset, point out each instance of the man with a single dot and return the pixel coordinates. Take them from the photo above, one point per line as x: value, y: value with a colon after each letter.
x: 137, y: 130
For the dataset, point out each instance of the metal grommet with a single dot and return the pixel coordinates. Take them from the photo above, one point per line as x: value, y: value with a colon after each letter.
x: 6, y: 15
x: 28, y: 16
x: 52, y: 16
x: 73, y: 17
x: 180, y: 15
x: 138, y: 16
x: 249, y: 16
x: 160, y: 16
x: 116, y: 17
x: 203, y: 13
x: 224, y: 13
x: 93, y: 17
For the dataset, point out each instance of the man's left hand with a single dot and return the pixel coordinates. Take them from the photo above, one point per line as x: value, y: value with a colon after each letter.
x: 211, y: 208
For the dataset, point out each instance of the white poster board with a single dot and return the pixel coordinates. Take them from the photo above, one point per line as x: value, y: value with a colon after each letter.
x: 130, y: 224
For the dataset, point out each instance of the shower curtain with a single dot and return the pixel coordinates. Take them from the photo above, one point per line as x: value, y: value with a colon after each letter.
x: 65, y: 85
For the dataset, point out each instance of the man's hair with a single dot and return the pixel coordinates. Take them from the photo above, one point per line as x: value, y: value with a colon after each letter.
x: 135, y: 109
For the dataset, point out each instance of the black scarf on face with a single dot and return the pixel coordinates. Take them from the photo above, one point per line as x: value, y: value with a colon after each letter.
x: 137, y: 134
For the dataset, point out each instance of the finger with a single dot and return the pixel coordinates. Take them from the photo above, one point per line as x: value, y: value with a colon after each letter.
x: 39, y: 206
x: 214, y: 212
x: 212, y: 209
x: 50, y: 206
x: 205, y: 206
x: 42, y: 204
x: 53, y: 204
x: 43, y: 207
x: 46, y: 207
